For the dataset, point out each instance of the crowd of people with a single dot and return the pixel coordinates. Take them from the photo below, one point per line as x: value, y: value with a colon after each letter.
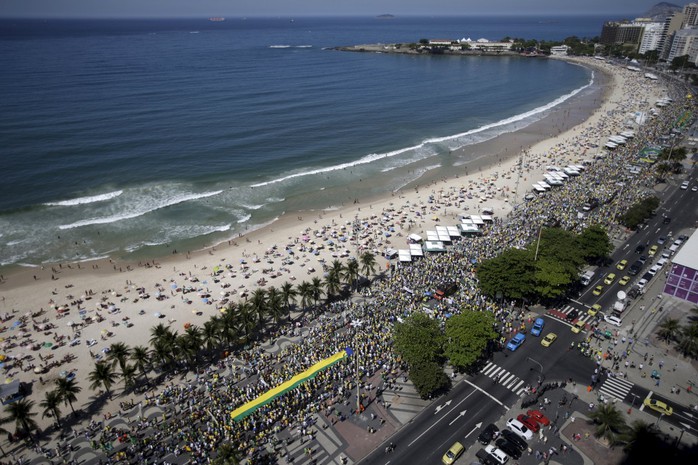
x: 196, y: 414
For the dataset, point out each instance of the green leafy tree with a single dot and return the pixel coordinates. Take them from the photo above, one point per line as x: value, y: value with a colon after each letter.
x: 305, y: 292
x: 102, y: 375
x: 317, y: 289
x: 51, y: 405
x: 552, y: 278
x: 428, y: 378
x: 418, y: 338
x: 510, y: 273
x: 468, y: 336
x: 351, y: 272
x: 688, y: 340
x: 128, y: 375
x: 594, y: 244
x: 609, y: 422
x: 226, y: 454
x: 21, y: 413
x: 68, y: 390
x: 275, y: 305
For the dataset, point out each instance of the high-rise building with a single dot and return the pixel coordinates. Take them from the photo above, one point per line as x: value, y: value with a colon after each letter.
x: 651, y: 37
x: 671, y: 25
x: 685, y: 43
x: 690, y: 12
x: 617, y: 33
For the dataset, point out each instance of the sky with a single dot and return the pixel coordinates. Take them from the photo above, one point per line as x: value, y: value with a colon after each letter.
x: 244, y: 8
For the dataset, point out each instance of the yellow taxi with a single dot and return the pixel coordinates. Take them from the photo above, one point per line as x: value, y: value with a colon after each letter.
x: 597, y: 290
x: 610, y: 278
x: 653, y: 251
x: 658, y: 406
x: 548, y: 339
x: 622, y: 264
x: 578, y: 327
x: 596, y: 308
x: 624, y: 280
x: 453, y: 453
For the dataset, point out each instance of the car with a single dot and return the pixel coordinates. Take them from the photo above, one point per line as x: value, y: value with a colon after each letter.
x: 510, y: 449
x: 539, y: 417
x: 694, y: 189
x: 622, y: 264
x: 666, y: 220
x: 518, y: 428
x: 661, y: 240
x: 516, y: 341
x: 653, y: 251
x: 487, y: 434
x: 642, y: 260
x: 498, y: 454
x: 640, y: 248
x: 453, y: 453
x: 598, y: 290
x: 610, y: 278
x: 485, y: 458
x: 641, y: 283
x: 537, y: 326
x: 548, y: 339
x: 612, y: 319
x: 528, y: 422
x: 515, y: 439
x: 653, y: 271
x: 573, y: 314
x: 658, y: 406
x: 624, y: 280
x: 684, y: 185
x: 578, y: 327
x: 594, y: 309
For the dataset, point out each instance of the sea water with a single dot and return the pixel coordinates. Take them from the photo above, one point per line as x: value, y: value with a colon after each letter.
x: 142, y: 136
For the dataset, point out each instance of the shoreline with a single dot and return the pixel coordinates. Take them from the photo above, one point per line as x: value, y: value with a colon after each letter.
x: 132, y: 301
x: 480, y: 156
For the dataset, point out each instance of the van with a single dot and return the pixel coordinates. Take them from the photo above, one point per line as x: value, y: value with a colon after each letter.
x: 497, y: 453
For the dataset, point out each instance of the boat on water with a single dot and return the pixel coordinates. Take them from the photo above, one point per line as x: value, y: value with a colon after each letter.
x: 216, y: 19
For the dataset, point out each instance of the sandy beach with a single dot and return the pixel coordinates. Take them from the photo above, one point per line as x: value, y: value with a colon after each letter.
x: 122, y: 301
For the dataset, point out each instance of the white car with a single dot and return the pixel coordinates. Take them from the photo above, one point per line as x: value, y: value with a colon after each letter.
x: 519, y: 429
x: 614, y: 320
x: 684, y: 185
x: 641, y: 284
x: 498, y: 454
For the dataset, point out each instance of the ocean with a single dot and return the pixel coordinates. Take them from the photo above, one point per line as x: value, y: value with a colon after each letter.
x: 131, y: 138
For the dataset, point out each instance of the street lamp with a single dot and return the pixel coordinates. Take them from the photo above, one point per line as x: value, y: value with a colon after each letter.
x: 635, y: 396
x: 540, y: 367
x: 356, y: 324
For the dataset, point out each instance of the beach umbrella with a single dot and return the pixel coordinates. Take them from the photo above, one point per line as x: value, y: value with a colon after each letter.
x: 173, y: 285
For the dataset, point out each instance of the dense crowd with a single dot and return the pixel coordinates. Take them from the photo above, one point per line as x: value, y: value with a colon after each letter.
x: 198, y: 412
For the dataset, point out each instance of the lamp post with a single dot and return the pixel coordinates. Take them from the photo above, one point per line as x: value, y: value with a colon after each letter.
x: 635, y: 396
x: 356, y: 324
x: 540, y: 367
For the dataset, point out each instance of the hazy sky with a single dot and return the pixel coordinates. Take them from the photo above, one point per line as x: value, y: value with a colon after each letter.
x: 238, y: 8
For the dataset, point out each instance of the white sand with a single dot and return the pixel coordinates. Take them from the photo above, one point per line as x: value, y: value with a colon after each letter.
x: 117, y: 284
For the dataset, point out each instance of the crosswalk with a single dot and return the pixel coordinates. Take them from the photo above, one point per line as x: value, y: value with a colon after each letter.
x: 561, y: 314
x: 616, y: 388
x: 504, y: 377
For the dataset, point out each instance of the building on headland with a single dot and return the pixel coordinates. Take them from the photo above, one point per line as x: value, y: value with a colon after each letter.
x: 482, y: 45
x: 559, y: 50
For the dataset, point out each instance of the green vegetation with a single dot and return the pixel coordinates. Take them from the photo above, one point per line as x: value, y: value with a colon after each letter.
x: 545, y: 269
x: 670, y: 331
x: 639, y: 212
x: 468, y: 336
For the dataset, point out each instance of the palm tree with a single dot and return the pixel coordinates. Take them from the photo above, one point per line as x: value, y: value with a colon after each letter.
x: 68, y: 389
x: 316, y: 286
x: 128, y: 374
x: 274, y: 305
x: 259, y: 306
x: 50, y: 404
x: 21, y: 413
x: 351, y: 272
x: 305, y: 291
x: 669, y: 330
x: 228, y: 326
x: 161, y: 333
x: 641, y: 439
x: 211, y: 334
x: 688, y: 341
x: 119, y: 353
x: 288, y: 294
x: 609, y: 423
x: 103, y: 375
x: 226, y: 454
x: 246, y: 318
x: 141, y: 360
x: 368, y: 264
x: 333, y: 279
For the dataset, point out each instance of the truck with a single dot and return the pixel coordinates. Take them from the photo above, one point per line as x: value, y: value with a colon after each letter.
x: 586, y: 277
